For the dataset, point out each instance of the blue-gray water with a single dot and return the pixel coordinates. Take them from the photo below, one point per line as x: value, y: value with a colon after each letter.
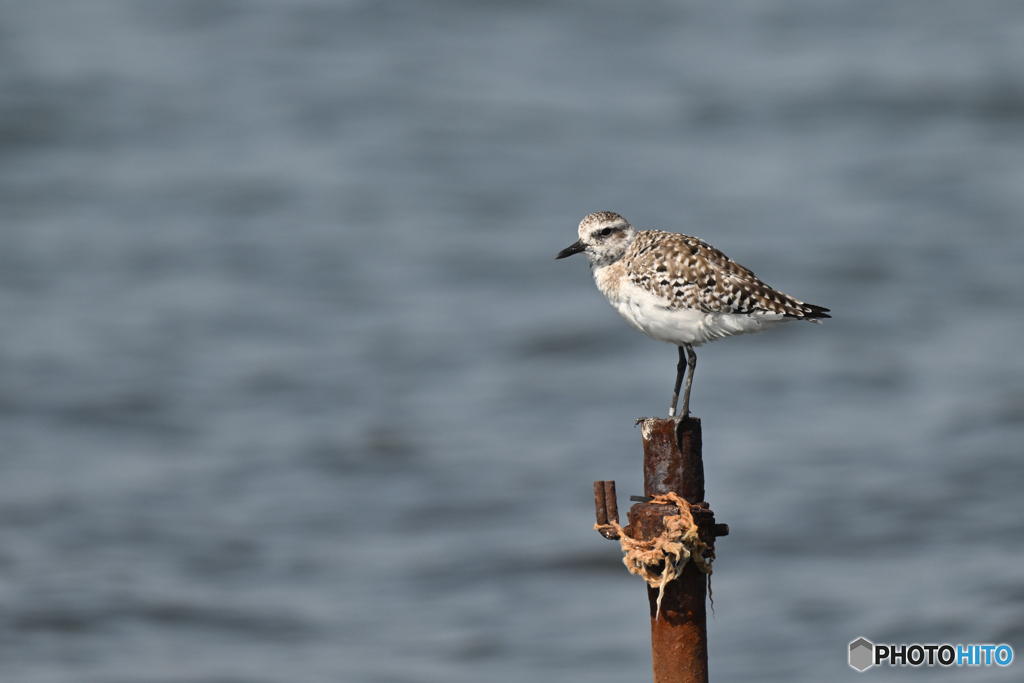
x: 293, y: 390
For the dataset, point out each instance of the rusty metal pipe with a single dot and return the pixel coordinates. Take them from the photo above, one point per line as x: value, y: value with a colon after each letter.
x: 679, y: 635
x: 611, y: 501
x: 606, y: 507
x: 600, y: 504
x: 673, y: 463
x: 672, y: 458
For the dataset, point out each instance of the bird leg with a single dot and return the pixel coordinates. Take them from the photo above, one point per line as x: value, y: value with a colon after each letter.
x: 691, y: 362
x: 680, y: 371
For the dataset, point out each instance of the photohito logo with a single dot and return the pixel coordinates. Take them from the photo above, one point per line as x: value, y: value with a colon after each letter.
x: 864, y: 654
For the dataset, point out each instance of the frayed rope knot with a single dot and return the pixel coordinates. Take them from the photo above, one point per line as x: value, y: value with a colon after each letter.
x: 660, y: 560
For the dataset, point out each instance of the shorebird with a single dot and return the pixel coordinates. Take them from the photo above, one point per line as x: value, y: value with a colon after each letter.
x: 679, y: 289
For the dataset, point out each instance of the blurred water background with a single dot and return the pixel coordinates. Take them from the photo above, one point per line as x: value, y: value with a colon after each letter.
x: 293, y: 390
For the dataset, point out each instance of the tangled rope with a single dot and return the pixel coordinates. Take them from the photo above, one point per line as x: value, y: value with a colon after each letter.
x: 660, y: 560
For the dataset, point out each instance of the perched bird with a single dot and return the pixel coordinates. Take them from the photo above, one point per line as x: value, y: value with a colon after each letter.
x: 679, y: 289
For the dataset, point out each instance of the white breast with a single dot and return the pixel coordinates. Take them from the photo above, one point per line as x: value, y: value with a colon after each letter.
x: 651, y: 315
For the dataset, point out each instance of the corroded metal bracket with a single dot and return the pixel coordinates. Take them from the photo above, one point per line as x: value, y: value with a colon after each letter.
x: 606, y: 505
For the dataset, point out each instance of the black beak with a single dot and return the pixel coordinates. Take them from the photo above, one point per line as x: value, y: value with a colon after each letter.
x: 576, y: 248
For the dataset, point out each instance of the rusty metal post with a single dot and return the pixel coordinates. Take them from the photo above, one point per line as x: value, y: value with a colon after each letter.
x: 673, y: 464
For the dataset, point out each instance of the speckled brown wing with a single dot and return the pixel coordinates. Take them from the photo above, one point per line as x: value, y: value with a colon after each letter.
x: 691, y: 273
x: 669, y: 266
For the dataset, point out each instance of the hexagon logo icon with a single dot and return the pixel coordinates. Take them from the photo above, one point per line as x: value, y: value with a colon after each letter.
x: 861, y: 654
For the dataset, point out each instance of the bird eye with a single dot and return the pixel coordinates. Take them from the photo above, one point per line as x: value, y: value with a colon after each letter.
x: 606, y: 232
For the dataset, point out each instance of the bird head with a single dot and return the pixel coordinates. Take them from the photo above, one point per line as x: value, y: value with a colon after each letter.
x: 604, y: 238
